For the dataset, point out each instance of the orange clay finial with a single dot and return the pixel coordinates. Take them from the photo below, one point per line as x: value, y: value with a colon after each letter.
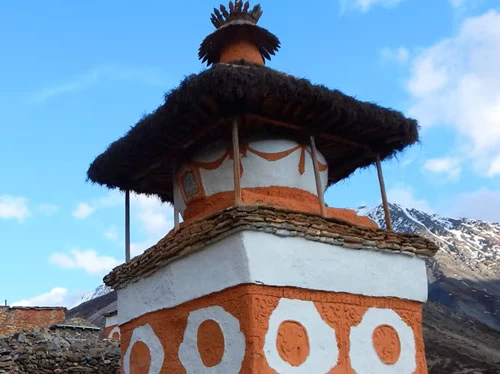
x: 241, y: 50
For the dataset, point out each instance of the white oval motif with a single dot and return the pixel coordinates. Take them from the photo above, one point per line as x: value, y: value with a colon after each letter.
x: 364, y: 358
x: 115, y: 329
x: 323, y: 344
x: 234, y: 342
x: 146, y: 335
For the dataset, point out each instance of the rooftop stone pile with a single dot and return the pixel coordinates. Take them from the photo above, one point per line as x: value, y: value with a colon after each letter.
x: 44, y: 351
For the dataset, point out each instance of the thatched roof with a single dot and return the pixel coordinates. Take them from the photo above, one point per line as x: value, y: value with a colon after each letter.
x: 349, y: 133
x: 195, y: 236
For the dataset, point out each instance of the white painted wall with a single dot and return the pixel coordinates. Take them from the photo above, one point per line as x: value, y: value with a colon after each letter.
x: 322, y: 342
x: 257, y: 171
x: 111, y: 321
x: 116, y: 330
x: 260, y: 258
x: 146, y: 335
x: 364, y: 358
x: 234, y: 342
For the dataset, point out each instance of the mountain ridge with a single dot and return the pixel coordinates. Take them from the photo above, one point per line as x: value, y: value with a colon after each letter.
x: 464, y: 275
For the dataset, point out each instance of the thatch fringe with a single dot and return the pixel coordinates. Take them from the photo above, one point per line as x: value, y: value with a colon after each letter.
x: 199, y: 110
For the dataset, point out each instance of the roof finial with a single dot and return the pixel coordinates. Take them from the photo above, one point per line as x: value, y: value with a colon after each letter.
x: 238, y: 13
x: 238, y: 38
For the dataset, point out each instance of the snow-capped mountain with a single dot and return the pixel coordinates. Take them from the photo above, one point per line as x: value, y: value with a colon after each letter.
x: 99, y: 291
x: 465, y: 274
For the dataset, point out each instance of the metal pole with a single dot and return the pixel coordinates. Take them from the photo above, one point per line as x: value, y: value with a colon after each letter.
x: 127, y: 226
x: 236, y: 164
x: 176, y: 208
x: 319, y: 187
x: 385, y: 204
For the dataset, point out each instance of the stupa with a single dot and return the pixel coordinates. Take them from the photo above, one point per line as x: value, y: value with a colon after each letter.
x: 261, y: 276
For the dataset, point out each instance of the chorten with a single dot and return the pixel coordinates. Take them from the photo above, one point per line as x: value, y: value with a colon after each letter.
x: 261, y: 276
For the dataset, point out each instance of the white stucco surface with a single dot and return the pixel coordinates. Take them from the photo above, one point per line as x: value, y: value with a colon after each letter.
x: 261, y: 258
x: 322, y: 342
x: 146, y: 335
x: 258, y: 171
x: 234, y: 342
x: 364, y: 358
x: 116, y: 330
x: 111, y: 321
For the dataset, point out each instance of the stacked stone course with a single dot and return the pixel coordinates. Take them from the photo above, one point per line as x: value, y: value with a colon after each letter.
x: 47, y: 352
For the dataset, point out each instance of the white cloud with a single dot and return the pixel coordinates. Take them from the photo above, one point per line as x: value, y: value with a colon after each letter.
x: 112, y: 234
x: 404, y: 195
x: 366, y: 5
x: 138, y: 248
x: 462, y: 7
x: 446, y: 166
x: 456, y: 83
x: 48, y: 209
x: 155, y: 218
x: 13, y: 207
x: 113, y: 198
x: 399, y: 55
x: 150, y: 218
x: 494, y: 169
x: 482, y: 204
x: 58, y: 296
x: 83, y: 210
x: 107, y: 72
x: 88, y: 260
x: 457, y: 3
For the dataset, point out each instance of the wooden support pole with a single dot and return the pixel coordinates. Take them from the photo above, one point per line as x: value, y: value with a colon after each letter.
x: 385, y: 204
x: 319, y: 187
x: 236, y: 164
x: 127, y: 226
x: 176, y: 208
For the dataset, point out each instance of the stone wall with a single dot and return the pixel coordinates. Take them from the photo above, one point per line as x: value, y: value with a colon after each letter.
x: 46, y: 352
x: 21, y: 319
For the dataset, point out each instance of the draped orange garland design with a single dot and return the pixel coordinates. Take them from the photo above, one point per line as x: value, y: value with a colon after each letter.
x: 193, y: 167
x: 213, y: 165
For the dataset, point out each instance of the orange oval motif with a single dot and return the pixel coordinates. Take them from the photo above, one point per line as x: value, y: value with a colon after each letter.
x: 293, y: 343
x: 210, y: 343
x: 386, y: 343
x: 140, y: 358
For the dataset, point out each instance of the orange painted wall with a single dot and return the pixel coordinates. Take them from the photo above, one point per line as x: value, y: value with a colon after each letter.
x: 242, y: 50
x: 252, y: 305
x: 108, y: 330
x: 278, y: 197
x: 14, y: 320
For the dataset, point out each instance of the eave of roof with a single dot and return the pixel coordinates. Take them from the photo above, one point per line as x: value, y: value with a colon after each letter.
x: 74, y: 327
x: 34, y: 307
x: 111, y: 314
x: 194, y: 236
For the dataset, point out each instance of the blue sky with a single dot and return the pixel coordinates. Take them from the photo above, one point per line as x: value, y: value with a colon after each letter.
x: 74, y: 76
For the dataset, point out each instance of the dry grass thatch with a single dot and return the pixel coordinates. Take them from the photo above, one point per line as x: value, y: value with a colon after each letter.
x: 349, y: 133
